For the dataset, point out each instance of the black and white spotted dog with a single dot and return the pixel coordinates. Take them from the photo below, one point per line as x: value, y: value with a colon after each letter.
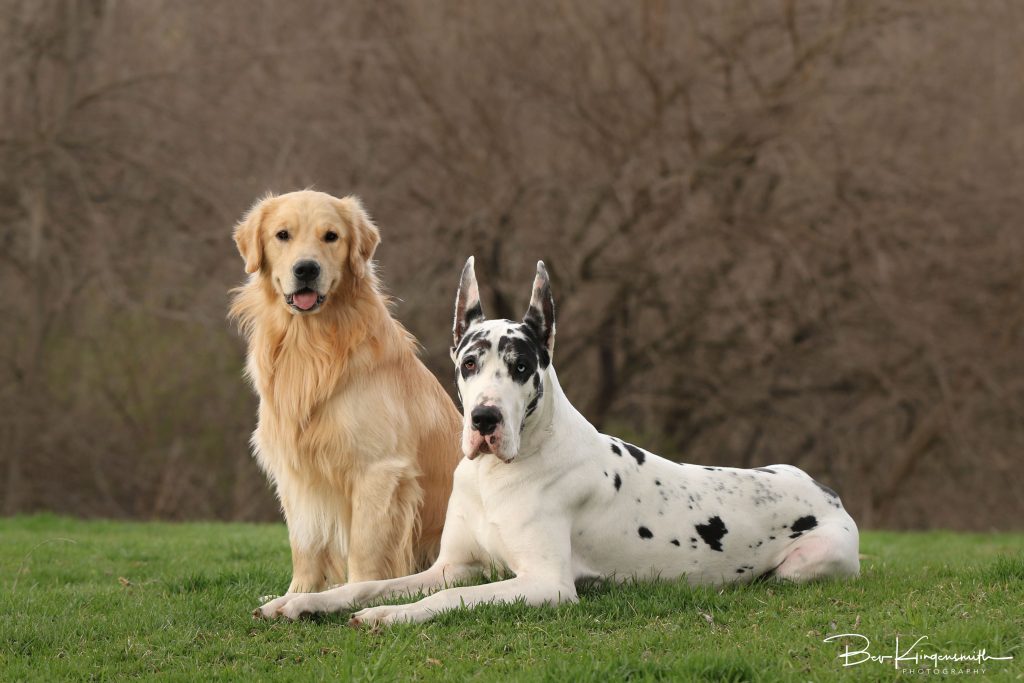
x: 545, y: 496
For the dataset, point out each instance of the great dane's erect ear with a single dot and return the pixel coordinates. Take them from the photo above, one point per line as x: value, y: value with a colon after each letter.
x: 540, y: 316
x: 467, y: 304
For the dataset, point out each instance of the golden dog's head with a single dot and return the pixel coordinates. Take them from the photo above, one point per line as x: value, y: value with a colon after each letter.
x: 307, y: 245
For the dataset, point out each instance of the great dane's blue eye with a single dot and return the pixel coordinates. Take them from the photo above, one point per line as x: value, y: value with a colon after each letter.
x: 282, y: 235
x: 521, y: 368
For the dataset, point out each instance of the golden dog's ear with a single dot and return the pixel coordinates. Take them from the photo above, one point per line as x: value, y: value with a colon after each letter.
x: 248, y: 235
x: 365, y: 236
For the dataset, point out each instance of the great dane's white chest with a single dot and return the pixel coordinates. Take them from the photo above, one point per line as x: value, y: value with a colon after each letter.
x: 480, y: 506
x: 487, y: 529
x: 510, y: 513
x: 493, y: 544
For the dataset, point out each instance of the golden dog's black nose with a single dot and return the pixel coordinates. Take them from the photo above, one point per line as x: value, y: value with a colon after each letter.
x: 485, y: 419
x: 306, y: 271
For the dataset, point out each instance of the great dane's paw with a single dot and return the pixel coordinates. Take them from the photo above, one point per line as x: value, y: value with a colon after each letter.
x: 378, y: 616
x: 272, y: 609
x: 294, y: 609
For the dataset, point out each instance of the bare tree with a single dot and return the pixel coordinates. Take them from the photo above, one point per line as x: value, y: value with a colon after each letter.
x: 778, y: 231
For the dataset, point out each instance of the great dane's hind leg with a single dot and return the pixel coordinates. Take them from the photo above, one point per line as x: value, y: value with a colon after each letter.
x: 822, y: 554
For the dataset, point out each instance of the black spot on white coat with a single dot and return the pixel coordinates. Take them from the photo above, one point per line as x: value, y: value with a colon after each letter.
x: 533, y: 337
x: 712, y: 532
x: 518, y: 352
x: 828, y: 492
x: 473, y: 313
x: 532, y: 405
x: 803, y: 524
x: 469, y: 339
x: 635, y: 452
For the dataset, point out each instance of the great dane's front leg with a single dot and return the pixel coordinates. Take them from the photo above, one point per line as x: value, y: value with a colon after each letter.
x: 532, y: 589
x: 538, y: 552
x: 441, y: 574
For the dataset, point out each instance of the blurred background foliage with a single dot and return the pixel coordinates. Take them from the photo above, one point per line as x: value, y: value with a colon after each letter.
x: 778, y: 231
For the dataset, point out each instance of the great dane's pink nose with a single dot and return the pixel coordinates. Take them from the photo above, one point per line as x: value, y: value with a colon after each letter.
x: 485, y: 419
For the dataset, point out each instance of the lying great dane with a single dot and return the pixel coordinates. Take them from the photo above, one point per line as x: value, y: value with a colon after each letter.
x: 542, y: 495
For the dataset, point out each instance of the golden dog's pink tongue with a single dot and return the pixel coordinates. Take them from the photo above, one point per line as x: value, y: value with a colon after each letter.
x: 304, y: 300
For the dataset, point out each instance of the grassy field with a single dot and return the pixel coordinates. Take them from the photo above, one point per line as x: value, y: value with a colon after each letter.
x: 113, y: 600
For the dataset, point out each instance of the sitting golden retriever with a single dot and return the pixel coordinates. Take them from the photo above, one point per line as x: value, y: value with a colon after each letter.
x: 356, y: 435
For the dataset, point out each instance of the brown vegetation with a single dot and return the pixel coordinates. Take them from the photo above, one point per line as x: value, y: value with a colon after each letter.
x: 778, y: 231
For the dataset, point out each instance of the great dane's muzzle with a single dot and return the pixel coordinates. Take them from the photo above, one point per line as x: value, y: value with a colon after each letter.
x: 486, y: 421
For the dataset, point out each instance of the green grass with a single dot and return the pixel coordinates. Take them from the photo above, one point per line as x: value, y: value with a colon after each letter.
x: 113, y: 600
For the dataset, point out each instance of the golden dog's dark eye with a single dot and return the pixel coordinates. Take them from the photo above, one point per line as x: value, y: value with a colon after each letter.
x: 283, y: 235
x: 330, y: 236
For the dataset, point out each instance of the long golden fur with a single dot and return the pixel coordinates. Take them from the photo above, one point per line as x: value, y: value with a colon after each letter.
x: 356, y: 435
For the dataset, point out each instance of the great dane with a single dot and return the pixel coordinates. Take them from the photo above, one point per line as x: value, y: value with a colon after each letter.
x: 550, y: 501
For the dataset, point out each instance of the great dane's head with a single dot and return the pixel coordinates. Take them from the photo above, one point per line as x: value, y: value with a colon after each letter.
x: 500, y: 366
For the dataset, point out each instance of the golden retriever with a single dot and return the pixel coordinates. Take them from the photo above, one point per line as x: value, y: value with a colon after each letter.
x: 356, y: 435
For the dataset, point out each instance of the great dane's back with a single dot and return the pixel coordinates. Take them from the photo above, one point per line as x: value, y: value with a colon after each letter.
x: 705, y: 524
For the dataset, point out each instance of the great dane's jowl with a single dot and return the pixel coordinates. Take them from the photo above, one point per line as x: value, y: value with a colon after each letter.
x: 544, y: 496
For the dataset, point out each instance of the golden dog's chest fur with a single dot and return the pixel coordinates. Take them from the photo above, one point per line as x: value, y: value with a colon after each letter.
x: 357, y: 436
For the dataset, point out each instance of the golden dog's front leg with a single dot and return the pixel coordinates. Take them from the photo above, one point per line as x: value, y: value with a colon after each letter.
x: 332, y: 560
x: 308, y: 574
x: 314, y: 570
x: 385, y: 506
x: 312, y: 533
